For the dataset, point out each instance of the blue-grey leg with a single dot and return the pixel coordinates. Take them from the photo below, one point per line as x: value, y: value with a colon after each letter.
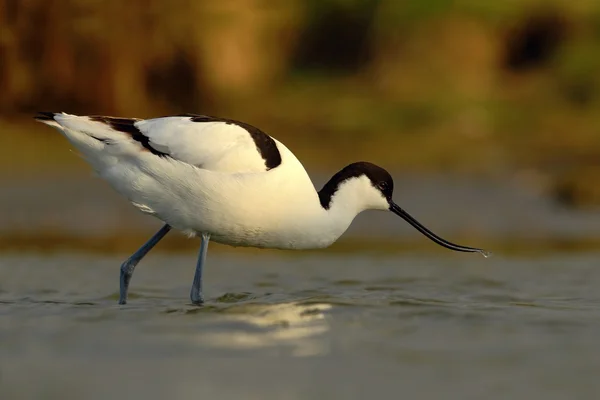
x: 129, y: 265
x: 196, y: 294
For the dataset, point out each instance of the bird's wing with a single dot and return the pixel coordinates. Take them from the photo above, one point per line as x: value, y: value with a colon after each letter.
x: 212, y: 143
x: 206, y: 142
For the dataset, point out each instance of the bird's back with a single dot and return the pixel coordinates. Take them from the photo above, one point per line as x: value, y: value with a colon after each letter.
x: 205, y: 142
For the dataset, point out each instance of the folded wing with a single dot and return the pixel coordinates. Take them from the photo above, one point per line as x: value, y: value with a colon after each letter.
x: 206, y: 142
x: 211, y: 143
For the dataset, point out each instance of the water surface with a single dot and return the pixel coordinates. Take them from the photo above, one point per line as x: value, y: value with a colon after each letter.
x: 281, y: 326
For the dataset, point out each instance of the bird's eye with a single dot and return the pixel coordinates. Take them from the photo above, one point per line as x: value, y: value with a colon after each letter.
x: 383, y: 185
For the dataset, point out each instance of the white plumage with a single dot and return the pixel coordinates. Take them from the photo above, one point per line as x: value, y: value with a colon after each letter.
x: 224, y: 180
x: 214, y: 180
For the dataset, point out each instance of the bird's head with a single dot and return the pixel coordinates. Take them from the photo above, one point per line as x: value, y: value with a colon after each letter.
x: 366, y: 186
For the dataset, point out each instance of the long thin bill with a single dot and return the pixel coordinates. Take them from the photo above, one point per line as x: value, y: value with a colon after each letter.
x: 395, y: 208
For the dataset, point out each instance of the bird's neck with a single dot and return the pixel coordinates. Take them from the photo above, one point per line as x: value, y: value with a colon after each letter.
x: 343, y: 198
x: 343, y: 203
x: 340, y: 207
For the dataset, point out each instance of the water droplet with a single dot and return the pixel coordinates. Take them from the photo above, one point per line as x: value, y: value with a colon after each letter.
x: 486, y: 253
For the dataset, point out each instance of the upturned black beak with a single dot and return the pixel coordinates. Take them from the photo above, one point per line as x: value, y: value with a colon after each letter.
x: 395, y: 208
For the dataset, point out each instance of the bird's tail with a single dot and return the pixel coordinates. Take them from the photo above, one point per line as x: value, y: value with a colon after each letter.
x: 47, y: 117
x: 91, y: 137
x: 103, y: 129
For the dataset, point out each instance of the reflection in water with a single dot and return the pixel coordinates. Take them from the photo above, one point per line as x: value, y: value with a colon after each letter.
x: 300, y: 327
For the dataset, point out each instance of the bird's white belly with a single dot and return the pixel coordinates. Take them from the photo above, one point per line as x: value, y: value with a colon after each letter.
x: 265, y: 213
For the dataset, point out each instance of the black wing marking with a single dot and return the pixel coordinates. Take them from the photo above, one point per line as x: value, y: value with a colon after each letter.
x: 265, y: 144
x: 127, y: 125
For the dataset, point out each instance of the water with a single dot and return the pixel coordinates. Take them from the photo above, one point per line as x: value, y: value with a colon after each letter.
x: 452, y: 206
x: 286, y: 326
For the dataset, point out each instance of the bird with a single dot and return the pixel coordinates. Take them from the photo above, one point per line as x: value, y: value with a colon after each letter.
x: 225, y: 181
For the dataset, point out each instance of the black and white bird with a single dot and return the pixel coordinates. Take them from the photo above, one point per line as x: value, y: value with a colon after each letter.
x: 226, y: 181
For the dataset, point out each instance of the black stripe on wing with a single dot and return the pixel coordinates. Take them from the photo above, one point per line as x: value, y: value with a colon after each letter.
x: 265, y: 144
x: 127, y: 125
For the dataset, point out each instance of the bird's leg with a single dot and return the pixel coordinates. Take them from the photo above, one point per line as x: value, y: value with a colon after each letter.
x: 196, y: 294
x: 129, y: 265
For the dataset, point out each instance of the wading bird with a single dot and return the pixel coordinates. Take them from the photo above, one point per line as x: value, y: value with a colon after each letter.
x: 226, y: 181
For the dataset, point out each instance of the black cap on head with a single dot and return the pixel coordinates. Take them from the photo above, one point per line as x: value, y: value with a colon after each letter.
x: 379, y: 177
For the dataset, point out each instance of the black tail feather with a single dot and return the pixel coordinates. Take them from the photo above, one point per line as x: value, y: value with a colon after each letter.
x: 45, y: 116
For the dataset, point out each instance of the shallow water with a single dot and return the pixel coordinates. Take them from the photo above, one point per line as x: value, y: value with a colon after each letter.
x: 449, y: 205
x: 282, y: 326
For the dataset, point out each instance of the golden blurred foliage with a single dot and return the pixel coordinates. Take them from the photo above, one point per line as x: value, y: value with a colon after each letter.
x: 140, y: 57
x: 461, y: 85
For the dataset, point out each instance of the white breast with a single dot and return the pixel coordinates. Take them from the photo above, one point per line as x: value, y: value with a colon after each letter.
x: 277, y: 208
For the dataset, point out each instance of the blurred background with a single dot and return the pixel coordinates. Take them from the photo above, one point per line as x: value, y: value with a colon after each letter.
x: 485, y: 112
